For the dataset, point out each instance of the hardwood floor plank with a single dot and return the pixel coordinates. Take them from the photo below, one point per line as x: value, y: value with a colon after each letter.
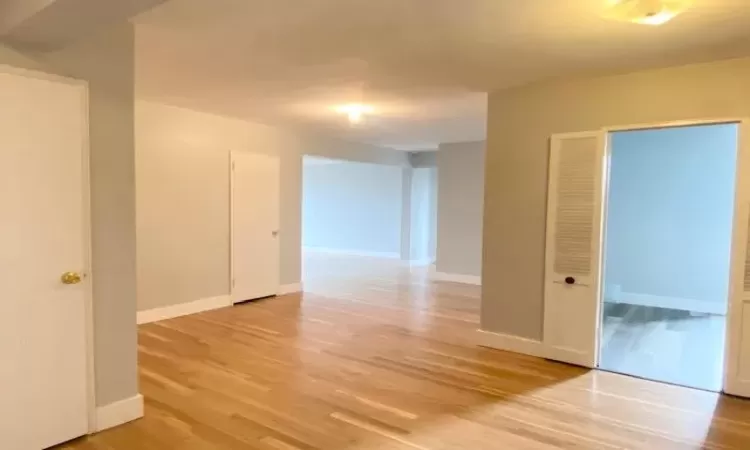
x: 374, y: 355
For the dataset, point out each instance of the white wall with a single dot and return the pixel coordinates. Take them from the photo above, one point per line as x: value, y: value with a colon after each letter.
x: 460, y: 169
x: 670, y: 217
x: 182, y: 197
x: 352, y: 207
x: 424, y: 214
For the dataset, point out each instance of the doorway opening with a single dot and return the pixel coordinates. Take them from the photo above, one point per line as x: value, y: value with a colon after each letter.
x: 667, y: 243
x: 354, y: 216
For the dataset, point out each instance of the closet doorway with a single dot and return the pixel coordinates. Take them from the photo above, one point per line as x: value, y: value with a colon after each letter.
x: 616, y: 240
x: 667, y: 241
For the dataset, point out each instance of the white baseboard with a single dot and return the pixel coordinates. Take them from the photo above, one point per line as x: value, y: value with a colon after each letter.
x: 336, y: 251
x: 511, y: 343
x: 119, y: 412
x: 290, y: 288
x: 457, y: 278
x: 183, y: 309
x: 568, y: 356
x: 659, y: 301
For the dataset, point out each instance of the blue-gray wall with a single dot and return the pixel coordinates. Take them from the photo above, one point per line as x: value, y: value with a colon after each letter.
x: 352, y: 207
x: 670, y: 213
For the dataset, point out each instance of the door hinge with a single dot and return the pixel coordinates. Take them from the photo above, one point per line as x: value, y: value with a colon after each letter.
x: 232, y: 165
x: 232, y: 282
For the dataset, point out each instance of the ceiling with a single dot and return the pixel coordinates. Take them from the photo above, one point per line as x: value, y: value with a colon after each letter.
x: 51, y: 24
x: 424, y: 65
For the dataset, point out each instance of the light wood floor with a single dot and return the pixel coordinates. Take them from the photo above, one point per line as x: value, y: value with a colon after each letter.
x: 374, y: 356
x: 664, y: 345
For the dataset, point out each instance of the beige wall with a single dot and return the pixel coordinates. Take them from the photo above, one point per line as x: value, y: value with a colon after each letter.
x: 12, y: 57
x: 520, y: 123
x: 182, y: 170
x: 106, y: 62
x: 460, y: 207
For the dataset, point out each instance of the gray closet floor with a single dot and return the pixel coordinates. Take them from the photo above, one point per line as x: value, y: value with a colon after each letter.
x: 663, y: 344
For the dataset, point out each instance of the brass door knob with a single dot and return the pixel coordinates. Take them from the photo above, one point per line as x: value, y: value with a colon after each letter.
x: 70, y: 278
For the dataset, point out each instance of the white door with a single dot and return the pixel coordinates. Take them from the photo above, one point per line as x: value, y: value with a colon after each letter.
x: 43, y: 234
x: 573, y: 248
x: 737, y: 375
x: 255, y: 226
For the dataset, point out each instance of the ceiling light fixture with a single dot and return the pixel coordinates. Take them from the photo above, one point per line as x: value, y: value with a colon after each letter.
x: 355, y: 111
x: 646, y: 12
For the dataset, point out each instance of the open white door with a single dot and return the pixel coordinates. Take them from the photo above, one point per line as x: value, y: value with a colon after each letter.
x: 44, y: 243
x: 573, y: 248
x: 255, y: 226
x: 737, y: 375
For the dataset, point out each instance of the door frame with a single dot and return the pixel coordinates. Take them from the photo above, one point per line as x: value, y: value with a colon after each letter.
x: 739, y: 238
x: 232, y: 154
x: 87, y: 272
x: 231, y: 227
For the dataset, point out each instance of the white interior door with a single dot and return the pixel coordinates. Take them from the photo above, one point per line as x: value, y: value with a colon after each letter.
x: 255, y: 226
x: 573, y: 248
x: 737, y: 375
x: 43, y: 234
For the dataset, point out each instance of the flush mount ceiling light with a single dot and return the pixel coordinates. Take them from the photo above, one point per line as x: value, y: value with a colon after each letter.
x: 355, y: 111
x: 646, y: 12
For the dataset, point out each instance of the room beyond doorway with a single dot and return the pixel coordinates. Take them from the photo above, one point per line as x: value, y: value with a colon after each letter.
x: 371, y: 210
x: 668, y: 235
x: 352, y: 207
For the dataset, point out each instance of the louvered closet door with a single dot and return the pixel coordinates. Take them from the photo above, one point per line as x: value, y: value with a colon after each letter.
x: 737, y: 375
x: 574, y: 224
